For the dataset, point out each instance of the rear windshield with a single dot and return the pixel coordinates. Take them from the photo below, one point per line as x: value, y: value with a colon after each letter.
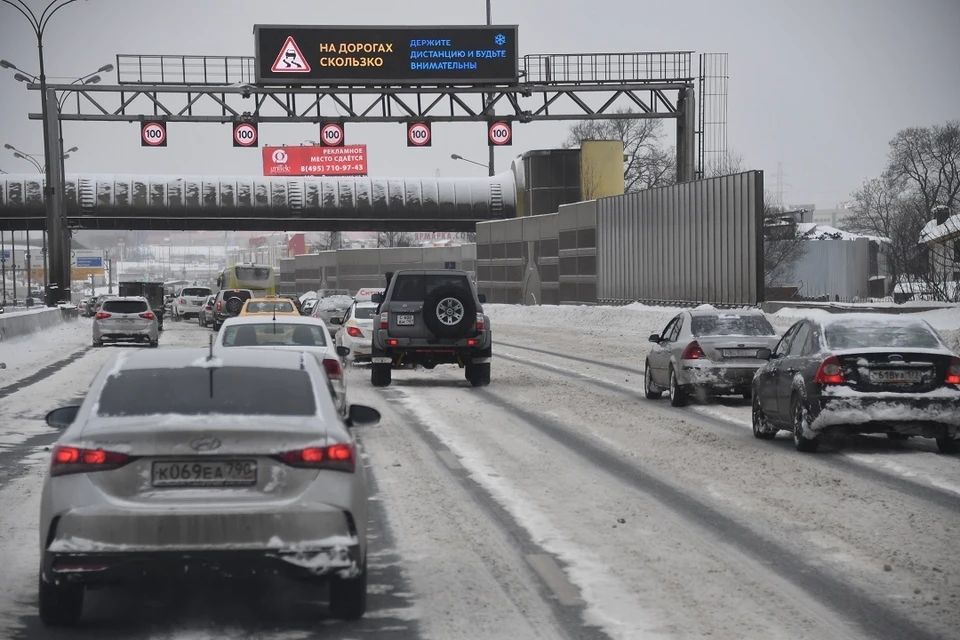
x: 336, y: 303
x: 274, y: 334
x: 196, y: 391
x: 364, y: 313
x: 124, y: 306
x: 876, y: 334
x: 252, y: 273
x: 731, y: 325
x: 280, y: 306
x: 416, y: 287
x: 243, y: 294
x: 195, y: 291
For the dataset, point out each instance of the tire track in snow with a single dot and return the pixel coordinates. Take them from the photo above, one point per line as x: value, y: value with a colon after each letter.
x: 42, y: 374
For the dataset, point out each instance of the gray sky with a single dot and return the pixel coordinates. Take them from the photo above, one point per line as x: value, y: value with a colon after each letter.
x: 817, y: 85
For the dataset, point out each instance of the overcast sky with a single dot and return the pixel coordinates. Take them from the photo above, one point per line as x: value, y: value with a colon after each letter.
x: 817, y: 85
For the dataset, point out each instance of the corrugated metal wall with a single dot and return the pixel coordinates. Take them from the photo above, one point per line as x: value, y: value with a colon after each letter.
x: 694, y: 242
x: 832, y: 268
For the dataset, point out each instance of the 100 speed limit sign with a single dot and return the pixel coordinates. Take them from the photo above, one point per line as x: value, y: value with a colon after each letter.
x: 418, y: 134
x: 245, y: 134
x: 499, y: 134
x: 153, y: 134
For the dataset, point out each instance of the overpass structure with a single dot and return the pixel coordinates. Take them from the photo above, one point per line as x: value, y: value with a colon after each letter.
x: 193, y: 203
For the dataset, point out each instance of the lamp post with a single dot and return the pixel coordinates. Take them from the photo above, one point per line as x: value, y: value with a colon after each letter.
x: 489, y: 98
x: 22, y: 155
x: 52, y: 196
x: 455, y: 156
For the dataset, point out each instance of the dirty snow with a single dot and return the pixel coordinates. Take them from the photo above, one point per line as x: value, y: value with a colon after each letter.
x: 24, y: 355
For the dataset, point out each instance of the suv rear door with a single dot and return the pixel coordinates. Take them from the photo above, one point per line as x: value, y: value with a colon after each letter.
x: 407, y: 296
x: 125, y: 315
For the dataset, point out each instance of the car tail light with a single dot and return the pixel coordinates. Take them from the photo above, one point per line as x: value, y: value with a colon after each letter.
x: 480, y: 322
x: 67, y: 460
x: 384, y: 320
x: 354, y: 332
x: 337, y: 457
x: 181, y: 301
x: 830, y: 372
x: 693, y: 352
x: 219, y: 305
x: 393, y: 342
x: 148, y: 315
x: 332, y: 365
x: 473, y: 342
x: 953, y: 372
x: 102, y: 314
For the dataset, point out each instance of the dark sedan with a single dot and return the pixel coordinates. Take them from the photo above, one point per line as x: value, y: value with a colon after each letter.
x: 859, y: 373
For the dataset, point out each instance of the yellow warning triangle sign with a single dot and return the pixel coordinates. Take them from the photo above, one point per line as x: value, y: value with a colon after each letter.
x: 291, y: 59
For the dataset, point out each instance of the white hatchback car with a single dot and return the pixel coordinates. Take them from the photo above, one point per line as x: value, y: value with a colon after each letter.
x: 189, y: 302
x: 356, y: 332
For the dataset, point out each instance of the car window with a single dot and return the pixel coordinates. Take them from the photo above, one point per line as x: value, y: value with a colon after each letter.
x: 415, y: 287
x: 364, y: 313
x: 243, y: 294
x: 856, y: 334
x: 261, y: 306
x: 274, y: 334
x: 125, y: 306
x: 800, y: 340
x: 731, y: 324
x: 785, y: 343
x: 677, y: 329
x: 198, y: 391
x: 195, y: 291
x: 669, y: 329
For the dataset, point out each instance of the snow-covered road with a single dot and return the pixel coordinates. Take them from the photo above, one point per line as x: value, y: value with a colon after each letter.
x: 559, y: 503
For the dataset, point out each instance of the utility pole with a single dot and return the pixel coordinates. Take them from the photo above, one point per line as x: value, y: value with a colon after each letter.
x: 490, y: 99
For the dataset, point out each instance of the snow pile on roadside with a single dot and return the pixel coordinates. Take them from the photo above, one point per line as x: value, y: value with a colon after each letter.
x: 24, y: 355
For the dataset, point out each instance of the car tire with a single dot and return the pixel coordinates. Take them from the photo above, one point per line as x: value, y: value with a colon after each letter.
x: 478, y: 374
x: 454, y: 300
x: 60, y: 605
x: 380, y: 374
x: 650, y: 389
x: 234, y: 305
x: 216, y: 326
x: 155, y: 344
x: 948, y: 445
x: 348, y: 596
x: 799, y: 415
x: 678, y: 395
x: 760, y: 424
x: 97, y: 343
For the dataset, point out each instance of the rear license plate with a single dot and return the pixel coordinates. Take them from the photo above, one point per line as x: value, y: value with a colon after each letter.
x: 204, y: 473
x: 739, y: 353
x: 124, y: 320
x: 405, y: 320
x: 896, y: 375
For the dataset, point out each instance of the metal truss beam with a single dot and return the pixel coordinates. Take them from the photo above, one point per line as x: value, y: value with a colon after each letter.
x: 224, y: 104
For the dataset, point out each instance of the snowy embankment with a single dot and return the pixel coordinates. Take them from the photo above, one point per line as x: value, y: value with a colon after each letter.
x: 25, y: 355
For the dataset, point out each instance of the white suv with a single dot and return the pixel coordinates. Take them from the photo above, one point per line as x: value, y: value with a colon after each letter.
x: 189, y: 301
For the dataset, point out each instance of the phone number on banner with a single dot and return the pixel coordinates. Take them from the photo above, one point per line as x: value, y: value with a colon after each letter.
x: 333, y: 168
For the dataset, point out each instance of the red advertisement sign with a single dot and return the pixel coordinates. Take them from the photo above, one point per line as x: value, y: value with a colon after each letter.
x: 315, y: 161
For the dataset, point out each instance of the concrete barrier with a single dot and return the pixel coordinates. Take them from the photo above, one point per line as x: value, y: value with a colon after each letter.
x: 26, y: 322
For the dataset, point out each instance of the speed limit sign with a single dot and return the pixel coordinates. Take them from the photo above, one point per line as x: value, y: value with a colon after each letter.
x: 331, y: 134
x: 245, y: 134
x: 418, y: 134
x: 499, y: 134
x: 153, y: 134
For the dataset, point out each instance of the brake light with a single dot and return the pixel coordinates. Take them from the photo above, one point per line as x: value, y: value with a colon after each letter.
x: 393, y: 342
x: 102, y: 314
x: 67, y: 460
x: 479, y: 321
x: 354, y: 332
x: 332, y: 365
x: 337, y: 457
x: 693, y: 352
x: 219, y: 305
x: 830, y: 372
x: 384, y: 320
x: 148, y: 315
x: 181, y: 301
x: 473, y: 342
x: 953, y: 372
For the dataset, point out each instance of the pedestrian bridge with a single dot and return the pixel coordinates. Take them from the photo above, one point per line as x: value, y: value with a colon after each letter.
x: 131, y: 202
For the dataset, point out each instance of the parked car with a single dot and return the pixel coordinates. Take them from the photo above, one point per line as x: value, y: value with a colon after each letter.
x: 707, y: 352
x: 431, y: 317
x: 188, y: 300
x: 205, y: 315
x: 145, y: 486
x: 228, y: 304
x: 859, y: 373
x: 125, y: 320
x: 356, y: 331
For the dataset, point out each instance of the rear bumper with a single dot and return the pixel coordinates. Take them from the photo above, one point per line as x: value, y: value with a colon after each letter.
x: 913, y: 415
x: 125, y: 334
x: 717, y: 377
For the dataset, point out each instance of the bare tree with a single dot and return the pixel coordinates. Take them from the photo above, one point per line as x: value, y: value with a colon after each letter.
x: 648, y: 164
x: 394, y: 239
x: 783, y: 243
x: 726, y: 164
x: 327, y: 241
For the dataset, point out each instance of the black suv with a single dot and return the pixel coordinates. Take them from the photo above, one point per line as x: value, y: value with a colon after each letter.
x: 228, y: 304
x: 430, y: 317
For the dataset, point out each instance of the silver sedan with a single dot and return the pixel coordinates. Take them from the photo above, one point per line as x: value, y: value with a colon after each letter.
x: 181, y: 463
x: 707, y: 352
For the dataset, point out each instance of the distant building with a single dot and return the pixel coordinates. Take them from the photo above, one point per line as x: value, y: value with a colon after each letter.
x: 942, y: 237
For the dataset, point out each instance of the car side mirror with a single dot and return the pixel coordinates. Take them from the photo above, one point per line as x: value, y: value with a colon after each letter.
x: 764, y: 353
x: 655, y: 337
x: 360, y: 415
x: 336, y: 320
x: 63, y: 417
x: 377, y: 298
x: 343, y: 352
x: 482, y: 297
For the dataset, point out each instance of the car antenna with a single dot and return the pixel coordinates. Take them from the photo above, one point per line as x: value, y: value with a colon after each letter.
x: 210, y: 354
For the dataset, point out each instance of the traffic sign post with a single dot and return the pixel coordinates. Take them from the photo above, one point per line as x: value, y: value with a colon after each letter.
x: 245, y: 134
x: 419, y: 134
x: 332, y: 134
x: 153, y: 134
x: 499, y: 134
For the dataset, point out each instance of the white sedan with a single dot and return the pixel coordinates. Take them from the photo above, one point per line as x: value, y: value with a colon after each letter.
x: 287, y: 333
x: 356, y: 333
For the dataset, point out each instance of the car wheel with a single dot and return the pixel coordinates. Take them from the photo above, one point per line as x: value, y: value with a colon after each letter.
x: 60, y: 606
x: 678, y: 396
x: 801, y: 416
x: 761, y: 426
x: 947, y: 444
x: 380, y: 375
x: 898, y: 436
x: 348, y: 596
x: 216, y: 326
x: 650, y: 389
x: 478, y: 374
x: 747, y: 395
x: 449, y: 312
x: 155, y: 344
x: 97, y: 343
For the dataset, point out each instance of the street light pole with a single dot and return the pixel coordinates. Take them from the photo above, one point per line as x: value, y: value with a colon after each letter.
x: 490, y: 97
x: 456, y: 156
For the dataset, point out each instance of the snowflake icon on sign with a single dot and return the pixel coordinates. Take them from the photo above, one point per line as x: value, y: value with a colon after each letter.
x: 500, y: 39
